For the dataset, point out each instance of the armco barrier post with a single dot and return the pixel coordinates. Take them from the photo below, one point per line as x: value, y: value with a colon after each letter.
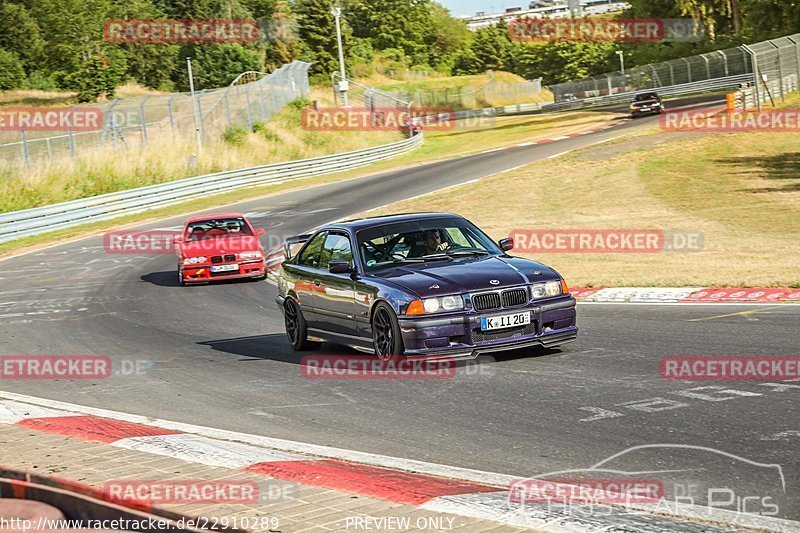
x: 25, y: 153
x: 756, y: 77
x: 143, y: 121
x: 778, y: 60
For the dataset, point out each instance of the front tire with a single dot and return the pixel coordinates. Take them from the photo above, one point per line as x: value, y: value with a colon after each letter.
x: 181, y: 281
x: 296, y: 329
x: 386, y: 337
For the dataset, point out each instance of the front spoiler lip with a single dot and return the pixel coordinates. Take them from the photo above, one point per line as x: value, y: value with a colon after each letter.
x: 553, y: 339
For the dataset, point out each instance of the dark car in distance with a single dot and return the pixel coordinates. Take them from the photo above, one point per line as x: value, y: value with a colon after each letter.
x: 420, y: 286
x: 646, y: 103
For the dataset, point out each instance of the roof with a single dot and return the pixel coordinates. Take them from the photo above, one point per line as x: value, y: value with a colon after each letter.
x: 369, y: 222
x: 212, y: 216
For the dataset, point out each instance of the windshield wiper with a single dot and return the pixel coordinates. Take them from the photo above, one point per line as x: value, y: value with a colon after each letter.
x: 437, y: 257
x: 467, y: 252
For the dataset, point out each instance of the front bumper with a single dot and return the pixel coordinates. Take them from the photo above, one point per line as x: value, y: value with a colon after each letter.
x: 203, y: 274
x: 460, y: 335
x: 648, y: 111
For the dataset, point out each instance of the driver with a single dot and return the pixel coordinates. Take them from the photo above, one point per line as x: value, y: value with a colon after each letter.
x: 233, y: 227
x: 433, y: 242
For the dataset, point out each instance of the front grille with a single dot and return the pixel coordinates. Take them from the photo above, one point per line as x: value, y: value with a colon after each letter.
x: 219, y: 259
x: 489, y: 300
x: 216, y: 259
x: 501, y: 334
x: 230, y: 257
x: 514, y: 297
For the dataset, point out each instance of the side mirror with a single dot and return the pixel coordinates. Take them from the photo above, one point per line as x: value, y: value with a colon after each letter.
x: 260, y: 231
x: 339, y: 267
x: 506, y: 244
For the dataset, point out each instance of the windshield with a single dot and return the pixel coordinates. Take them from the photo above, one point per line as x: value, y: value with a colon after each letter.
x: 645, y: 96
x: 422, y: 241
x: 216, y: 228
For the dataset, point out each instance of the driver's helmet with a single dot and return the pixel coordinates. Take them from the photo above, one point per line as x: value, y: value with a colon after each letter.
x: 233, y: 227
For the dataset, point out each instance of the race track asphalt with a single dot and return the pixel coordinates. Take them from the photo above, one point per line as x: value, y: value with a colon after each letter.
x: 217, y: 356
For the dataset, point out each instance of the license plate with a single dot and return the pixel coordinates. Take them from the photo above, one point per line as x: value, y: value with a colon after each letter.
x: 225, y: 268
x: 505, y: 321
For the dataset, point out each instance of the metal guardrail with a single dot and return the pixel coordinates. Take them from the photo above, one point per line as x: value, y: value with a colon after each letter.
x: 28, y: 222
x: 685, y: 89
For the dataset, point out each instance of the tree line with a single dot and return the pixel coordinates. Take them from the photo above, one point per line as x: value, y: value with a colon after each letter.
x: 59, y: 44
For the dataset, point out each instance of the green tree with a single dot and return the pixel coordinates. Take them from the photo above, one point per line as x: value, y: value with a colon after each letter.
x: 98, y: 76
x: 445, y: 37
x: 562, y: 61
x: 19, y: 33
x: 493, y: 47
x: 317, y: 31
x: 152, y: 65
x: 401, y: 24
x: 11, y: 71
x: 216, y: 65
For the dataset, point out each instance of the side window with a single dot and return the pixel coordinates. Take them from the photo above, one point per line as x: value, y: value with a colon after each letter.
x: 337, y: 248
x: 310, y: 255
x: 457, y: 236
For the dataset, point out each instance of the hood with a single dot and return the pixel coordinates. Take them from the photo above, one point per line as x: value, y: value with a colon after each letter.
x: 467, y: 275
x: 221, y: 245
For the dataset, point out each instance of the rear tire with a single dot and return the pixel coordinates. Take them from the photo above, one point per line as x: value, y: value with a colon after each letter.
x: 386, y: 337
x: 296, y: 329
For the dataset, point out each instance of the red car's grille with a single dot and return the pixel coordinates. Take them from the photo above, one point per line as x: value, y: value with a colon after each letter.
x: 216, y: 259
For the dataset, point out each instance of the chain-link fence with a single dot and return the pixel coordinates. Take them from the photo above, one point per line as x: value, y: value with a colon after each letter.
x: 152, y: 120
x: 774, y: 66
x: 703, y: 67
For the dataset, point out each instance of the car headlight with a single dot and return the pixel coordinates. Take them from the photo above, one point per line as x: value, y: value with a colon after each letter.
x: 547, y: 289
x: 435, y: 305
x: 249, y: 256
x: 194, y: 260
x: 632, y: 107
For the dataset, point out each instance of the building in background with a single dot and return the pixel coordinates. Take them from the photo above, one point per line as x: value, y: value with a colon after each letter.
x: 544, y: 9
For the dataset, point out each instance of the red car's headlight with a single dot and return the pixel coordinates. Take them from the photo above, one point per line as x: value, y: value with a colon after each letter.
x: 250, y: 256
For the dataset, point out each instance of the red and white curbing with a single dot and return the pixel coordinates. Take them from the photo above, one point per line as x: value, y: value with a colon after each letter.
x: 687, y: 295
x: 432, y: 487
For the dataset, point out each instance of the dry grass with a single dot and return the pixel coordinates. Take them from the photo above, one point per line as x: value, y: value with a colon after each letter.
x: 741, y: 190
x: 33, y: 97
x: 165, y: 159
